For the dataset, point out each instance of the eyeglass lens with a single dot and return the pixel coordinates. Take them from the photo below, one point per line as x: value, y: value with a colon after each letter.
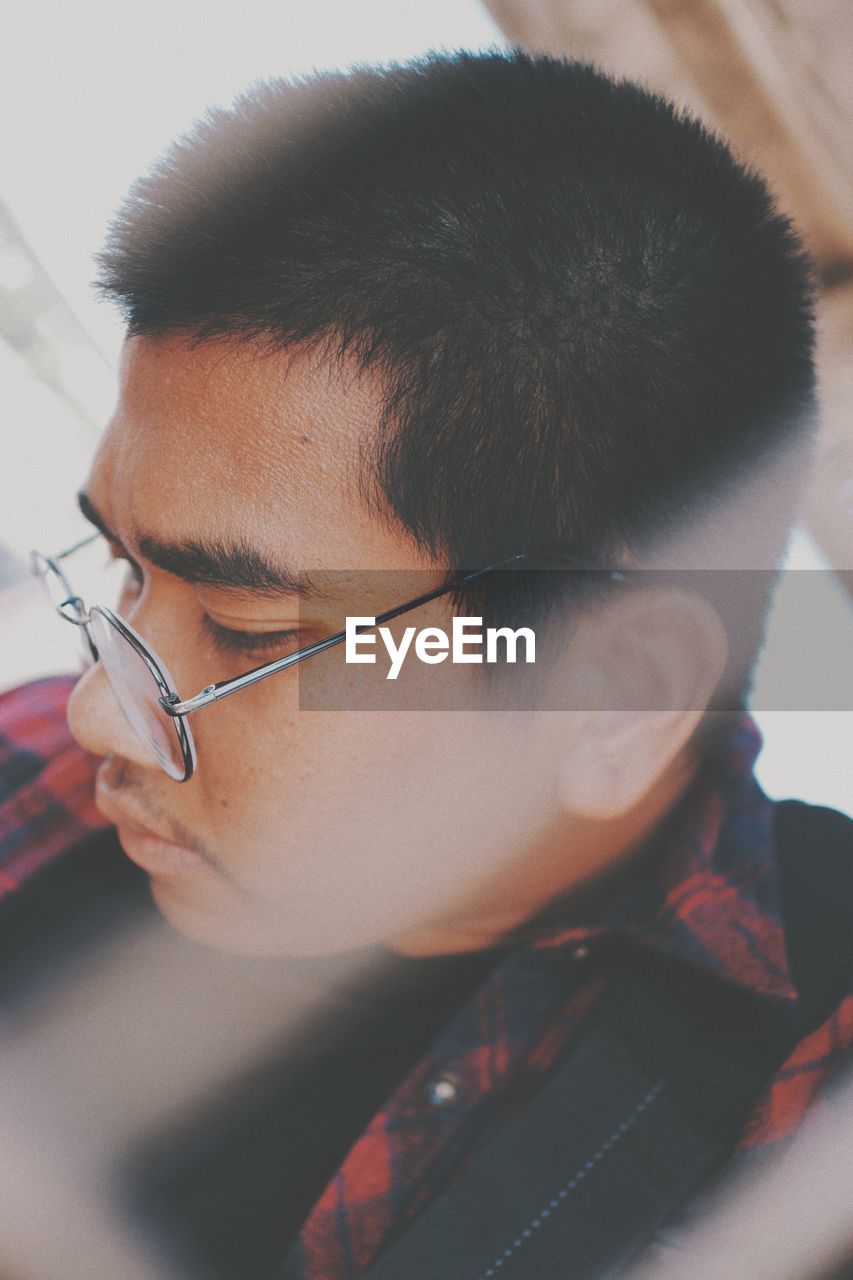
x: 138, y: 693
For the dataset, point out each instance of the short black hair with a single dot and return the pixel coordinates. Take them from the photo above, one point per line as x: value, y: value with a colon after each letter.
x: 587, y: 316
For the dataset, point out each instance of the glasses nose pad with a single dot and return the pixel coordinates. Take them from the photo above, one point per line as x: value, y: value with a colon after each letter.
x: 73, y: 610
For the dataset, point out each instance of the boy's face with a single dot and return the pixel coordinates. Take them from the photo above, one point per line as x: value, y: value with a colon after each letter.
x: 310, y: 830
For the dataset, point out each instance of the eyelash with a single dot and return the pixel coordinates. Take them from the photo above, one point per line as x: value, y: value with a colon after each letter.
x: 224, y: 640
x: 248, y: 643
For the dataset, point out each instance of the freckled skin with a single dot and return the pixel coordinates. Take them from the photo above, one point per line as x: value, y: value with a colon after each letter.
x: 325, y: 830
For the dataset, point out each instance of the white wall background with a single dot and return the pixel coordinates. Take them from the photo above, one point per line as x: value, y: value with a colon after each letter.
x: 90, y: 92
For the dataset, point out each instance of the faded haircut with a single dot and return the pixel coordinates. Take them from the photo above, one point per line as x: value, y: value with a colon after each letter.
x: 586, y: 315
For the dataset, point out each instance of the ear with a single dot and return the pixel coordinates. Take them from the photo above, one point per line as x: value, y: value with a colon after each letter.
x: 653, y: 656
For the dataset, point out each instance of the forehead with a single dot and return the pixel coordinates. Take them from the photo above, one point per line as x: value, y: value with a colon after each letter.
x: 227, y: 439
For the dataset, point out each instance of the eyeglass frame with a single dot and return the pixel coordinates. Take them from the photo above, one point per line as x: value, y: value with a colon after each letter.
x: 73, y: 609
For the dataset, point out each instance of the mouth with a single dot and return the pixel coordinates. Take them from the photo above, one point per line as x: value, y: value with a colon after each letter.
x: 146, y: 847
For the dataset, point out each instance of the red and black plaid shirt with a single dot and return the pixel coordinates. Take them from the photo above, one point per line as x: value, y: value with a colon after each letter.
x: 712, y: 899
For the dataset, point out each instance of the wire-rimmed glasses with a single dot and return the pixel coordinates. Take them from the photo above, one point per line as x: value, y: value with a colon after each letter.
x: 138, y: 676
x: 140, y: 679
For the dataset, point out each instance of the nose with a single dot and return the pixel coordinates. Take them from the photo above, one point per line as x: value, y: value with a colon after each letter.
x: 98, y: 723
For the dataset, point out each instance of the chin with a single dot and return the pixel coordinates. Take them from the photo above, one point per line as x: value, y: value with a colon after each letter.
x: 203, y: 922
x: 235, y: 929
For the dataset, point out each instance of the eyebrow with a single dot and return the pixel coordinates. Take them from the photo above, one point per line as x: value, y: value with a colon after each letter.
x: 228, y: 566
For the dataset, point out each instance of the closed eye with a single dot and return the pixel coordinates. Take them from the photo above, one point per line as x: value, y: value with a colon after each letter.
x: 249, y: 643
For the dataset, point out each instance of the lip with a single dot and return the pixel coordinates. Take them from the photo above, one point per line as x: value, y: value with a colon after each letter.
x: 146, y: 848
x: 158, y: 857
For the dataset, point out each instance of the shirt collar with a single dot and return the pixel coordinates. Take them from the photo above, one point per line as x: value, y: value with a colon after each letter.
x: 705, y: 889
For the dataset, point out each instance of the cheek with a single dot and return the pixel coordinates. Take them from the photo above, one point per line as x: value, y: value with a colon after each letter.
x: 292, y: 805
x: 269, y: 776
x: 352, y: 824
x: 247, y: 748
x: 344, y: 830
x: 311, y: 813
x: 285, y: 788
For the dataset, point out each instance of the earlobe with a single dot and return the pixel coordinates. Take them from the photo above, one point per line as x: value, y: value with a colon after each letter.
x: 655, y: 657
x: 627, y: 754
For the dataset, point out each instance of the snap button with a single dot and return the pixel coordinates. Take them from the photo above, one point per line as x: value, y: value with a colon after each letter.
x: 443, y: 1090
x: 581, y: 952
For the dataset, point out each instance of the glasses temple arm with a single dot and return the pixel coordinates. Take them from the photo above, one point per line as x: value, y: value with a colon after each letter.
x: 216, y: 692
x: 223, y: 689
